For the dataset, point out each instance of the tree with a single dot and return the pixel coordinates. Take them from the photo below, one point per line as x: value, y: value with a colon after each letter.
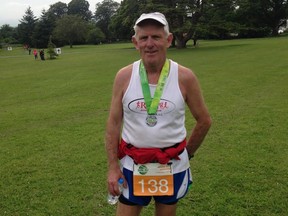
x: 184, y: 19
x: 55, y: 12
x: 71, y: 28
x: 8, y: 34
x: 26, y: 27
x: 122, y: 22
x: 58, y: 10
x: 80, y: 8
x: 275, y: 14
x: 43, y: 29
x: 95, y: 35
x: 248, y: 15
x: 103, y: 15
x: 260, y: 18
x: 51, y: 49
x: 218, y: 20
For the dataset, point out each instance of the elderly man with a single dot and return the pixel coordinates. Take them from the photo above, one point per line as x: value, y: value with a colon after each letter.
x: 146, y: 125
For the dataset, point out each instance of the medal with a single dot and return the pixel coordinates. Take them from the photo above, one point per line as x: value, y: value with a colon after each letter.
x: 151, y: 120
x: 152, y: 103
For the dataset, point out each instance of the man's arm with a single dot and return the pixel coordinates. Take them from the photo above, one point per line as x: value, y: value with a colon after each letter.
x: 113, y: 129
x: 191, y: 91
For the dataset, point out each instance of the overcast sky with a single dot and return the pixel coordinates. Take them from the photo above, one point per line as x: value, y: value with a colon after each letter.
x: 11, y: 11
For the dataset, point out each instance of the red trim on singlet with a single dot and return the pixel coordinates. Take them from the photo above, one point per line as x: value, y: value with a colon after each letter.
x: 149, y: 155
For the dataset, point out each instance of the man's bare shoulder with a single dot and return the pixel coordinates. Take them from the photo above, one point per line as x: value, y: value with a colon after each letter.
x: 124, y: 73
x: 186, y: 74
x: 122, y: 77
x: 187, y: 82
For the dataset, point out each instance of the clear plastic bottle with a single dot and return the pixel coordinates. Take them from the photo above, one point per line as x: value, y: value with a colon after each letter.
x: 112, y: 200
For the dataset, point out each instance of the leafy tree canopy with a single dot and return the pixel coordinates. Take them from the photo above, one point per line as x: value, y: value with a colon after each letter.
x: 26, y: 27
x: 71, y: 28
x: 80, y: 8
x: 103, y: 15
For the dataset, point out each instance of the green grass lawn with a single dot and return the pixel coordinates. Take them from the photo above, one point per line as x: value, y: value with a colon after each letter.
x: 53, y: 115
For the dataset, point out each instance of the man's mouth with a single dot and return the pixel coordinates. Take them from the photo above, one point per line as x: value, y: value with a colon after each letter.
x: 151, y: 51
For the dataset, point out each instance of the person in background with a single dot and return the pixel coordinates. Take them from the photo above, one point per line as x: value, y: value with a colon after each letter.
x: 146, y: 135
x: 42, y: 54
x: 35, y: 53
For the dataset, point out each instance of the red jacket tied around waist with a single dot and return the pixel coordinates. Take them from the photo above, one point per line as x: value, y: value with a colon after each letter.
x: 148, y: 155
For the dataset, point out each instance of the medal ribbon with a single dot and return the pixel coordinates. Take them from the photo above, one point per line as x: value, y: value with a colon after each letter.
x: 152, y: 104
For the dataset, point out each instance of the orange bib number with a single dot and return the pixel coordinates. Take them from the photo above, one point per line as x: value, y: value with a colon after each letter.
x: 153, y: 179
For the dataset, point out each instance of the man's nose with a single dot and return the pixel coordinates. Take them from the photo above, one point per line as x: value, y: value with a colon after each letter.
x: 150, y: 41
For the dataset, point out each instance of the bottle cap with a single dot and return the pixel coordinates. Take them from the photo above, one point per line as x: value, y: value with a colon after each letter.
x: 120, y: 180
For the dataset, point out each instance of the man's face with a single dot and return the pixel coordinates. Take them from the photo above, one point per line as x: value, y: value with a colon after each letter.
x: 152, y: 43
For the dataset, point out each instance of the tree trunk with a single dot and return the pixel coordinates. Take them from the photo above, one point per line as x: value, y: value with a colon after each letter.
x: 275, y: 31
x: 181, y: 44
x: 194, y: 42
x: 173, y: 44
x: 180, y: 41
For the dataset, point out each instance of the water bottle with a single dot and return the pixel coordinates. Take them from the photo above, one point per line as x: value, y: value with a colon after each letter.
x: 112, y: 200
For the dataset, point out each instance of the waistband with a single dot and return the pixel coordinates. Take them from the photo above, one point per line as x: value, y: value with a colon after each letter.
x: 150, y: 155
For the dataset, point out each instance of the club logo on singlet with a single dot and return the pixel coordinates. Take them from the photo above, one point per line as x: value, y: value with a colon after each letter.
x: 139, y: 106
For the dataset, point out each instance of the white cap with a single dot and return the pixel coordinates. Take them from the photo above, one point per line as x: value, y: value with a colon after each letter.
x: 159, y: 17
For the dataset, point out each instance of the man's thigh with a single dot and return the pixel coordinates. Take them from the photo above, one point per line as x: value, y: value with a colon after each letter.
x: 128, y: 210
x: 165, y: 210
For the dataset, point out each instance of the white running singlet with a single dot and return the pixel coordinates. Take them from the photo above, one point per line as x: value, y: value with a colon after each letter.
x: 170, y: 128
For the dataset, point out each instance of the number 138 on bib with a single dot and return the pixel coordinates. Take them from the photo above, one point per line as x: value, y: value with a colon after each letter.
x: 157, y: 181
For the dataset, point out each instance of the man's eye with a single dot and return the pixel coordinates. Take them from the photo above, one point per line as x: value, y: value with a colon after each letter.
x: 156, y: 37
x: 143, y: 38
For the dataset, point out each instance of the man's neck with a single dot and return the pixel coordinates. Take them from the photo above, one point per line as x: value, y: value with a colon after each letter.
x: 154, y: 69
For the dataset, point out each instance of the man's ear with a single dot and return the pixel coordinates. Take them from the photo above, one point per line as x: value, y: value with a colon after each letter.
x: 134, y: 41
x: 169, y: 40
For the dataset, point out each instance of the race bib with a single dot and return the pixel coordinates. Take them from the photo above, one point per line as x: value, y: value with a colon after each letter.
x: 153, y: 179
